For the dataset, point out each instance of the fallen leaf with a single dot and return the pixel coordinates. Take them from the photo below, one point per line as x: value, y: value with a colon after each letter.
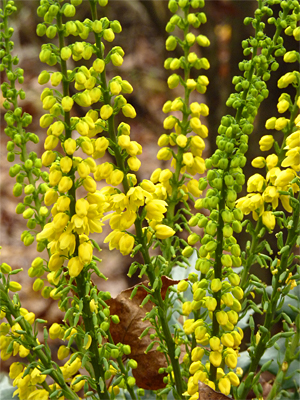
x: 207, y: 393
x: 130, y: 328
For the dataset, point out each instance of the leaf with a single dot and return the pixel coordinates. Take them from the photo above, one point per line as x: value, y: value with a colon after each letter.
x: 130, y: 328
x: 207, y: 393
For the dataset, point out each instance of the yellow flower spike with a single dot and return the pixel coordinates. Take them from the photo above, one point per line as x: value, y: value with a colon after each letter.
x: 258, y: 162
x: 75, y: 266
x: 215, y: 357
x: 224, y: 385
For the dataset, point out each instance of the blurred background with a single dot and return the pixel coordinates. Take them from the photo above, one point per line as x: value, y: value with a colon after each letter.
x: 143, y: 40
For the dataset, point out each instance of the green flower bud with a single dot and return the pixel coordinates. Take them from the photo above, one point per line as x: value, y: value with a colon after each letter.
x: 14, y: 286
x: 5, y: 268
x: 173, y: 6
x: 237, y: 226
x: 203, y: 41
x: 173, y: 81
x: 126, y: 349
x: 116, y: 26
x: 14, y: 170
x: 51, y: 32
x: 65, y: 53
x: 69, y: 10
x: 17, y: 190
x: 10, y: 156
x: 38, y: 285
x: 115, y: 319
x: 108, y: 35
x: 41, y: 29
x: 43, y: 77
x: 171, y: 43
x: 28, y: 213
x: 115, y: 353
x: 116, y: 59
x: 132, y: 364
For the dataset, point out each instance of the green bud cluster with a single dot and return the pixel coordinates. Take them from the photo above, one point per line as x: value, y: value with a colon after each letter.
x: 27, y: 166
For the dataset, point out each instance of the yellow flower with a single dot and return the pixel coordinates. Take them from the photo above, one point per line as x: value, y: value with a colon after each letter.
x: 215, y: 357
x: 126, y: 244
x: 214, y: 343
x: 266, y: 142
x: 258, y: 162
x: 163, y: 231
x: 285, y: 177
x: 272, y: 161
x: 293, y: 140
x: 155, y: 209
x: 271, y: 195
x: 292, y: 158
x: 75, y: 267
x: 182, y: 286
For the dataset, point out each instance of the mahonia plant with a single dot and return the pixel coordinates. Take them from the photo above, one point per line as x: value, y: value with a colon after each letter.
x: 204, y: 347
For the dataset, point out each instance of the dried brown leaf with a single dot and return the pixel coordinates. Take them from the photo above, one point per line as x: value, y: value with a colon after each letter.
x: 130, y: 328
x: 207, y: 393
